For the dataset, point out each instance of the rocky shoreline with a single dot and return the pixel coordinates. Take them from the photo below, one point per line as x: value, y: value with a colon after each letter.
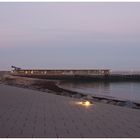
x: 52, y: 86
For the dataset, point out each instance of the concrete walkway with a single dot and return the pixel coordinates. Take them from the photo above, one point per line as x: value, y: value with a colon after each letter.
x: 29, y: 113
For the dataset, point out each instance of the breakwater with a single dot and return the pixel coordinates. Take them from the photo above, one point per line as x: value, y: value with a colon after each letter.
x: 109, y: 78
x: 91, y: 74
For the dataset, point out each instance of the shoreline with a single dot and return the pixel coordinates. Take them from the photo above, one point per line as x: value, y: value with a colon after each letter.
x: 27, y: 113
x: 52, y: 86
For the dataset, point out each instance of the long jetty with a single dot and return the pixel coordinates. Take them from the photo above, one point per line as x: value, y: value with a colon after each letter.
x: 88, y: 74
x: 124, y: 76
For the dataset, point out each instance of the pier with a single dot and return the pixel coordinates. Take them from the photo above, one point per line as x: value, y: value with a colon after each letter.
x: 62, y: 74
x: 73, y: 74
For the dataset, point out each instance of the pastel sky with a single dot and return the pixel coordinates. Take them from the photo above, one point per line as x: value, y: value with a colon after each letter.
x: 70, y: 35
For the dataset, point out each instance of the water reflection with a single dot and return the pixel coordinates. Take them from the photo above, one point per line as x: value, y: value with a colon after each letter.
x: 121, y: 90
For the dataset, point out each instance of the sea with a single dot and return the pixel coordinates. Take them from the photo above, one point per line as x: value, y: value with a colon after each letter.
x: 128, y: 91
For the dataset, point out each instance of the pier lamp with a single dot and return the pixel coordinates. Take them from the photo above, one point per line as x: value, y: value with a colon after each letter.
x: 12, y: 71
x: 32, y: 72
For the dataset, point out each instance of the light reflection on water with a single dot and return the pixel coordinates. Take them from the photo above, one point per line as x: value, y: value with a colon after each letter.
x: 121, y: 90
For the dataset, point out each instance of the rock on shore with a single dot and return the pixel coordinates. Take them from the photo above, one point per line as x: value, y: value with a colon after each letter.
x: 52, y: 86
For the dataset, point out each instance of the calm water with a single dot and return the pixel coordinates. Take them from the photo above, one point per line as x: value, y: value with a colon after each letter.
x: 119, y: 90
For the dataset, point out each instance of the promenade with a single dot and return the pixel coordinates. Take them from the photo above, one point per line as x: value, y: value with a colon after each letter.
x: 30, y: 113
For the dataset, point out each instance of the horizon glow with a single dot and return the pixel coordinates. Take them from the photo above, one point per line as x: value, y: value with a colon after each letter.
x: 70, y: 35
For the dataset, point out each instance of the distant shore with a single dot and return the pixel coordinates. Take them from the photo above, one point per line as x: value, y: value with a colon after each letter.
x: 52, y: 86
